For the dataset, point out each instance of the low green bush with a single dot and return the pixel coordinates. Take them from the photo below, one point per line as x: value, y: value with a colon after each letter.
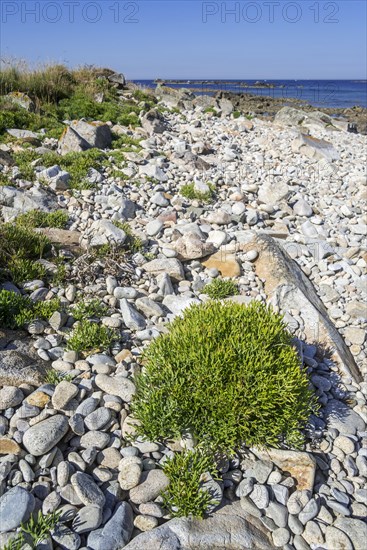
x: 37, y: 218
x: 229, y: 375
x: 185, y: 495
x: 85, y: 310
x: 21, y: 270
x: 21, y: 242
x: 219, y: 288
x: 189, y: 192
x: 16, y: 310
x: 88, y: 336
x: 55, y: 377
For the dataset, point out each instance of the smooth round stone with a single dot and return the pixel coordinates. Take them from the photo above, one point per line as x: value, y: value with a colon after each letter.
x: 38, y: 399
x: 251, y: 255
x: 42, y: 437
x: 125, y: 292
x: 96, y: 439
x: 130, y: 471
x: 274, y: 478
x: 313, y: 534
x: 281, y: 536
x: 116, y: 385
x: 63, y: 473
x: 51, y: 503
x: 16, y: 507
x: 345, y: 444
x: 109, y: 458
x: 64, y: 392
x: 98, y: 418
x: 295, y: 525
x: 278, y: 513
x: 297, y: 501
x: 151, y: 509
x: 260, y: 470
x: 309, y: 512
x: 87, y: 490
x: 145, y: 523
x: 10, y: 397
x: 281, y: 493
x: 68, y: 494
x: 338, y: 507
x: 336, y: 539
x: 152, y: 484
x: 87, y: 406
x: 340, y: 496
x: 27, y: 411
x: 260, y: 496
x: 27, y: 472
x: 245, y: 487
x: 87, y: 519
x: 65, y: 538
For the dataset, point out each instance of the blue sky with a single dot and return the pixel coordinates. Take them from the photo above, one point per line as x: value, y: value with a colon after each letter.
x: 261, y: 39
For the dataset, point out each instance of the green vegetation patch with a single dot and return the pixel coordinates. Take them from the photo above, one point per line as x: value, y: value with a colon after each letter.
x: 189, y: 192
x: 229, y: 375
x: 185, y: 495
x: 19, y: 248
x: 87, y: 336
x: 37, y: 218
x: 220, y: 288
x: 88, y: 309
x: 16, y: 310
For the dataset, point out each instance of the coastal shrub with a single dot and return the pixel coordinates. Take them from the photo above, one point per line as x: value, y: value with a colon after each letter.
x: 87, y: 309
x: 22, y: 270
x: 189, y: 192
x: 185, y: 495
x: 228, y: 374
x: 16, y: 309
x: 77, y: 164
x: 88, y: 336
x: 21, y: 242
x: 37, y: 218
x: 125, y: 143
x: 219, y: 288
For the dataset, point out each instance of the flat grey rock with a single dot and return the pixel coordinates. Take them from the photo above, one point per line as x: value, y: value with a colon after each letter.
x: 16, y: 507
x: 117, y: 531
x: 229, y: 528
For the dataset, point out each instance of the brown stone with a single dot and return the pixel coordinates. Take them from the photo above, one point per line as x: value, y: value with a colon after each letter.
x: 300, y: 465
x: 123, y: 355
x: 9, y: 447
x: 226, y: 264
x: 38, y: 399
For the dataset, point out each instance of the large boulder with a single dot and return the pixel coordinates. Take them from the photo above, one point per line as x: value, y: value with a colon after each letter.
x: 153, y: 122
x: 15, y: 201
x: 315, y: 148
x: 286, y: 285
x: 230, y: 528
x: 82, y: 135
x: 103, y: 232
x: 191, y: 247
x: 21, y: 100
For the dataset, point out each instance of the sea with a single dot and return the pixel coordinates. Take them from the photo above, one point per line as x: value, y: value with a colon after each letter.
x: 320, y: 93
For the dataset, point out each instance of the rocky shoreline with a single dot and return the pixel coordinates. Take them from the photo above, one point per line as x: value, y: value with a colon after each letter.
x: 276, y: 204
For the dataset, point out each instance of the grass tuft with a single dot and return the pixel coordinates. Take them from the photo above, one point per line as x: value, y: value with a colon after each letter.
x: 219, y: 288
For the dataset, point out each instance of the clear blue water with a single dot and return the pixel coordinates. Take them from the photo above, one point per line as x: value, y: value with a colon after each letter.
x: 320, y: 93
